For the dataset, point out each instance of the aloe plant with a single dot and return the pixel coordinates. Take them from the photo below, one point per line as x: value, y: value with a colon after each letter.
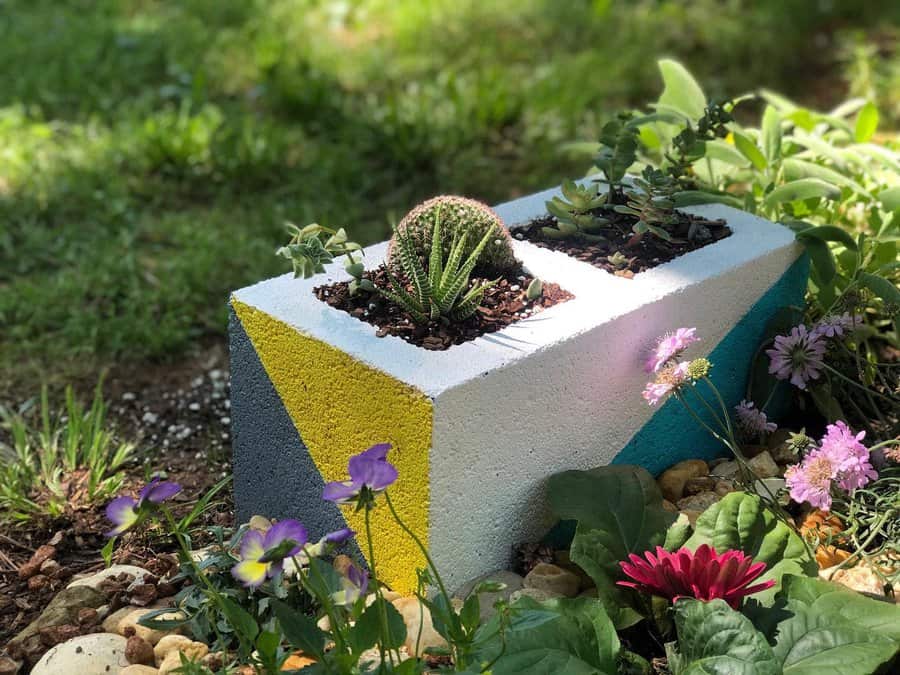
x: 438, y: 292
x: 574, y: 219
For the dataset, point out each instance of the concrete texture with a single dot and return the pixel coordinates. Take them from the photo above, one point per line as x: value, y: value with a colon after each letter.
x: 482, y: 425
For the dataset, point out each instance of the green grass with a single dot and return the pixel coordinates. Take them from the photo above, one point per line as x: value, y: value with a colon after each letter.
x: 152, y: 150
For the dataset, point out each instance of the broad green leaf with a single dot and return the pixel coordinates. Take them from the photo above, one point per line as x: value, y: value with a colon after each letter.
x: 881, y: 287
x: 783, y: 104
x: 240, y: 619
x: 795, y: 169
x: 725, y: 152
x: 820, y: 147
x: 822, y: 259
x: 365, y: 632
x: 771, y: 134
x: 890, y: 198
x: 698, y: 197
x: 678, y: 533
x: 879, y: 153
x: 749, y: 150
x: 715, y: 639
x: 681, y: 92
x: 829, y: 233
x: 835, y: 600
x: 810, y: 642
x: 866, y: 122
x: 619, y: 511
x: 580, y: 640
x: 797, y: 190
x: 825, y: 402
x: 741, y: 521
x: 299, y: 629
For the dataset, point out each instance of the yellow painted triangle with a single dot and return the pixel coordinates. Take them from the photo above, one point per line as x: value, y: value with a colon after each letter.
x: 341, y: 407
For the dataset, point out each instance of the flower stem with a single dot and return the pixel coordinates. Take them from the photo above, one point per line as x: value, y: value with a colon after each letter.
x: 383, y: 629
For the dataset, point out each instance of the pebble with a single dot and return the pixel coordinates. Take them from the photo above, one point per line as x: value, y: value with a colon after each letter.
x: 94, y: 580
x: 129, y: 396
x: 861, y: 578
x: 416, y: 615
x: 150, y: 418
x: 513, y: 582
x: 699, y: 502
x: 138, y: 650
x: 763, y: 465
x: 95, y: 653
x: 538, y: 594
x: 8, y: 666
x: 128, y: 623
x: 137, y: 669
x: 729, y: 469
x: 694, y: 486
x: 671, y: 481
x: 553, y: 579
x: 167, y: 652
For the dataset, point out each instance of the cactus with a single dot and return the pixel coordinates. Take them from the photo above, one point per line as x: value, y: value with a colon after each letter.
x: 459, y: 216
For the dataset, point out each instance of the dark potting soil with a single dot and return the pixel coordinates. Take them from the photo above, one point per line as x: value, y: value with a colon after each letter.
x: 647, y: 253
x: 503, y: 304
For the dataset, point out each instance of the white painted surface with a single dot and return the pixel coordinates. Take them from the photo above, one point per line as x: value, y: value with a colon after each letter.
x: 600, y: 298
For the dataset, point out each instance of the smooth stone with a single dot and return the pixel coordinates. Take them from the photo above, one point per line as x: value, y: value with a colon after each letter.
x: 763, y: 465
x: 138, y: 651
x: 260, y: 524
x: 178, y: 643
x: 94, y: 653
x: 671, y: 481
x: 699, y: 502
x: 861, y: 578
x: 538, y: 594
x: 94, y: 580
x: 130, y: 621
x: 728, y: 469
x: 62, y: 610
x: 8, y: 666
x: 772, y: 485
x: 554, y: 579
x: 138, y: 669
x: 785, y: 454
x: 694, y: 486
x: 415, y: 613
x: 723, y: 487
x: 513, y: 581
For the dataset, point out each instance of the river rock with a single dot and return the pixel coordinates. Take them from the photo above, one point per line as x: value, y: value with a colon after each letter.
x: 538, y: 594
x: 138, y: 651
x: 62, y: 610
x: 415, y: 613
x: 178, y: 644
x: 96, y: 653
x: 763, y: 465
x: 694, y: 486
x: 513, y: 582
x: 137, y: 669
x: 861, y: 578
x: 729, y: 469
x: 554, y: 579
x: 94, y: 580
x: 128, y: 625
x: 671, y: 481
x: 699, y: 502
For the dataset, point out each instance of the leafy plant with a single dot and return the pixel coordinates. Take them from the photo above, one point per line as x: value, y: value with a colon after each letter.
x: 652, y: 204
x: 442, y: 291
x: 58, y: 461
x: 618, y: 151
x: 313, y: 246
x: 573, y: 212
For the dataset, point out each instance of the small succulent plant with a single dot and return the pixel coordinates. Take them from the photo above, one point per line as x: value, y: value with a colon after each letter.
x: 653, y: 204
x: 574, y: 219
x: 442, y: 290
x: 311, y: 247
x: 618, y: 151
x: 457, y: 214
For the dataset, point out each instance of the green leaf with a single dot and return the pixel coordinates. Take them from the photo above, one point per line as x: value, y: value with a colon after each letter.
x: 697, y: 197
x: 299, y: 629
x: 749, y: 150
x: 797, y: 190
x: 822, y: 259
x: 829, y: 233
x: 678, y: 533
x: 881, y: 287
x: 890, y: 198
x: 681, y: 92
x: 240, y: 619
x: 725, y: 152
x: 366, y: 631
x: 580, y: 640
x: 795, y: 169
x: 715, y: 639
x: 740, y: 521
x: 835, y: 600
x: 619, y: 511
x: 810, y: 642
x: 866, y: 122
x: 771, y: 134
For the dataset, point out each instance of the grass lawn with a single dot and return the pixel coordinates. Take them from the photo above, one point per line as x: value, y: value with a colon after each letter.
x: 151, y: 151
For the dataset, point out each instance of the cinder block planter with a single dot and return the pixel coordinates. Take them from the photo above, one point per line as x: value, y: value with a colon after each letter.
x: 479, y: 427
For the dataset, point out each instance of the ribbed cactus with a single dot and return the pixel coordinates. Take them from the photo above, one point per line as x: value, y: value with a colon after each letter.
x: 458, y: 215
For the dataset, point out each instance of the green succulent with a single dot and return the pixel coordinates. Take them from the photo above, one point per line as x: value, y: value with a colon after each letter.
x: 653, y: 204
x: 440, y: 292
x: 311, y: 247
x: 574, y: 219
x: 458, y: 214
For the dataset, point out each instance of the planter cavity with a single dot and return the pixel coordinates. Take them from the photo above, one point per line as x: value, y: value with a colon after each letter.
x: 477, y: 429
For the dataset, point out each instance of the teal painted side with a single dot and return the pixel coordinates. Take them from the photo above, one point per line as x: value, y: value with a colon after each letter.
x: 672, y: 435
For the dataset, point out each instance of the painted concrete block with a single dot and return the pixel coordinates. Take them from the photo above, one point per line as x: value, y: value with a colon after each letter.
x: 478, y: 428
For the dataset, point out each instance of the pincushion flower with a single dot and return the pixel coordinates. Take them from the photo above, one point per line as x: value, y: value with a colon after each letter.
x: 798, y: 356
x: 702, y: 574
x: 667, y: 381
x: 752, y: 421
x: 262, y: 556
x: 370, y: 473
x: 125, y: 512
x: 834, y: 325
x: 811, y: 481
x: 669, y: 347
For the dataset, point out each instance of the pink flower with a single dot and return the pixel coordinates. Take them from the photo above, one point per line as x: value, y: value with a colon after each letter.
x: 751, y: 421
x: 798, y: 356
x: 670, y: 346
x: 666, y: 382
x: 702, y: 574
x: 811, y: 480
x: 849, y: 456
x: 834, y: 325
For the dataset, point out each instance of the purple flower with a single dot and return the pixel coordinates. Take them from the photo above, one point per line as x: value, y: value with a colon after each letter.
x: 669, y: 347
x: 798, y: 356
x: 811, y: 480
x: 331, y: 539
x: 263, y: 556
x: 125, y: 512
x: 353, y: 587
x: 368, y: 470
x: 834, y: 325
x: 751, y: 421
x: 667, y: 381
x: 849, y: 455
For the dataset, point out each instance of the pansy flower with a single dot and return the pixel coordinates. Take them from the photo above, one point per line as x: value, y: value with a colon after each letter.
x: 369, y: 471
x: 125, y: 512
x: 353, y: 586
x: 262, y: 555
